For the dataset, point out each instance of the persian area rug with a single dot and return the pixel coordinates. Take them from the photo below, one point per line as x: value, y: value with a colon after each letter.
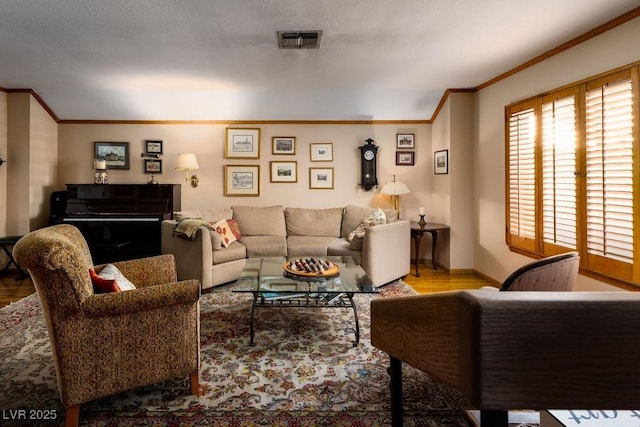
x: 302, y: 371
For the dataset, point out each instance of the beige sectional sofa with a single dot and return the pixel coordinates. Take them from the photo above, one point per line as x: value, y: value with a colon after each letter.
x: 279, y: 231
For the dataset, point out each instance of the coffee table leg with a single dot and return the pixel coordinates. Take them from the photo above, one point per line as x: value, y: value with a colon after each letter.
x: 355, y: 316
x: 253, y: 309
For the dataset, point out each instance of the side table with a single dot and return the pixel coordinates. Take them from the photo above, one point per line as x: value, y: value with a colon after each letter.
x: 5, y: 242
x: 417, y: 232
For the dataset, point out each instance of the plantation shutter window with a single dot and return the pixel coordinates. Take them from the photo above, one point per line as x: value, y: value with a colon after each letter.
x: 573, y: 175
x: 559, y: 190
x: 521, y: 179
x: 609, y: 175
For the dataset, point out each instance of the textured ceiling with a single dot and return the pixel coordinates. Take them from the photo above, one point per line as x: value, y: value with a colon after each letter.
x: 219, y: 59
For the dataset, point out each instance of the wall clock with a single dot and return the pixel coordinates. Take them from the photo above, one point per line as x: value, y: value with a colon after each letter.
x: 368, y: 165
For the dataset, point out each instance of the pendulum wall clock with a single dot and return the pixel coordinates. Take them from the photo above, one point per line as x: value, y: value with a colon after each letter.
x: 368, y: 165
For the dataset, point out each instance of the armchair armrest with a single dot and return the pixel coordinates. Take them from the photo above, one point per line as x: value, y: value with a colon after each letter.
x: 140, y: 299
x: 386, y: 251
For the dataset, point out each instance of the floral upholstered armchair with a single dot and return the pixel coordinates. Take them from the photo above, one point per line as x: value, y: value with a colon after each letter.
x: 105, y: 343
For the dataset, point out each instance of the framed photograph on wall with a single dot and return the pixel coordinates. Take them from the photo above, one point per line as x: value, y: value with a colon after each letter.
x: 405, y: 140
x: 242, y: 143
x: 116, y: 154
x: 441, y: 162
x: 405, y: 158
x: 153, y: 166
x: 321, y: 178
x: 284, y: 171
x: 322, y: 152
x: 153, y: 146
x: 242, y: 180
x: 283, y: 145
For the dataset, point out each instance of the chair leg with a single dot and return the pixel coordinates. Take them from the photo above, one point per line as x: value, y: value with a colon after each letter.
x: 494, y: 418
x: 72, y: 416
x: 395, y: 371
x: 195, y: 384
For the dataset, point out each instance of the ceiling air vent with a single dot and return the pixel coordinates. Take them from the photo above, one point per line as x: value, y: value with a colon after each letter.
x: 299, y: 39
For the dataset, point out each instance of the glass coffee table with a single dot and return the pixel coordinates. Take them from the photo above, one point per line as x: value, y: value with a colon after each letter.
x: 274, y: 287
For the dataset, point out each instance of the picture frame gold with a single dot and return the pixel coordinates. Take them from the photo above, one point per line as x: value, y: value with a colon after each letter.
x: 283, y: 145
x: 242, y: 143
x: 321, y: 152
x: 241, y: 180
x: 284, y: 171
x: 321, y: 178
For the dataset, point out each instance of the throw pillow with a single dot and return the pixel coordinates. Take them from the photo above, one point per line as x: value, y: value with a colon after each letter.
x: 235, y: 229
x: 216, y: 240
x: 111, y: 272
x: 222, y: 228
x: 374, y: 218
x: 101, y: 285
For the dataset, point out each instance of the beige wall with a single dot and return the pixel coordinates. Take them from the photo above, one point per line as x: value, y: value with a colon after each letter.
x: 207, y: 142
x: 32, y: 138
x: 605, y: 52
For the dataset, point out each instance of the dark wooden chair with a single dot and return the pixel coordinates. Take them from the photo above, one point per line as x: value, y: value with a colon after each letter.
x: 516, y: 350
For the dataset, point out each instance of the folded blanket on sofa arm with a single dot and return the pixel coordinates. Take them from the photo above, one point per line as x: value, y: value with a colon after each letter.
x: 187, y: 227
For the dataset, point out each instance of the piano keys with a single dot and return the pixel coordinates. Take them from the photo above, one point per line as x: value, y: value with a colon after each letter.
x: 121, y: 221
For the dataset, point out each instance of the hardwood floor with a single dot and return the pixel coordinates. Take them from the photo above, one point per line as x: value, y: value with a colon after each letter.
x: 430, y: 280
x: 13, y: 289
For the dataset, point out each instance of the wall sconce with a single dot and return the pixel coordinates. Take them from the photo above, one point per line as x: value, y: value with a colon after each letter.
x: 187, y: 162
x: 395, y: 189
x: 1, y: 161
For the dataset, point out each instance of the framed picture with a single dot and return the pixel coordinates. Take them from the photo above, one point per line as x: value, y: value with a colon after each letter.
x: 322, y: 152
x: 441, y: 162
x: 153, y: 166
x: 116, y: 154
x: 284, y: 171
x: 283, y: 145
x: 153, y: 146
x: 321, y: 178
x: 405, y: 140
x: 405, y: 158
x: 242, y: 144
x: 242, y: 180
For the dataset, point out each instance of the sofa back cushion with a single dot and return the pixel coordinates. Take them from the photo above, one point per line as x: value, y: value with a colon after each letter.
x: 260, y: 221
x: 313, y: 222
x: 353, y: 216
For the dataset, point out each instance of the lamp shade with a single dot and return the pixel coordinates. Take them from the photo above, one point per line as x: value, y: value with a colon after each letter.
x: 395, y: 188
x: 187, y: 161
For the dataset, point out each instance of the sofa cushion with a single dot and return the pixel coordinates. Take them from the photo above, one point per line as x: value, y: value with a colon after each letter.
x: 353, y: 215
x: 260, y: 221
x: 313, y: 222
x: 262, y: 246
x: 209, y: 215
x: 341, y: 247
x: 234, y: 251
x: 308, y: 245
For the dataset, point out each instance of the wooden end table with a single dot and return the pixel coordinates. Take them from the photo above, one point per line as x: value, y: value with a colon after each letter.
x: 417, y: 232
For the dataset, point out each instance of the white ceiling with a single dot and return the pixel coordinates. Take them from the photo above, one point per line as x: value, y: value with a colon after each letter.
x: 219, y: 59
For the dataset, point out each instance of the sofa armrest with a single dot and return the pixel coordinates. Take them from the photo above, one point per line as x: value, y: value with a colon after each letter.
x: 194, y: 258
x: 386, y: 251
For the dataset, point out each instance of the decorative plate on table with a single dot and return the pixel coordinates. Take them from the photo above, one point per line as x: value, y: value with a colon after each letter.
x: 311, y: 267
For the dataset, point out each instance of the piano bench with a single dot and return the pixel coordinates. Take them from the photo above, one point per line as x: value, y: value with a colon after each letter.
x: 5, y: 242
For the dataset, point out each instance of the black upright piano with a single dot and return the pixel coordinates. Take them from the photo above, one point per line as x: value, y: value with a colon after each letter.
x: 121, y: 221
